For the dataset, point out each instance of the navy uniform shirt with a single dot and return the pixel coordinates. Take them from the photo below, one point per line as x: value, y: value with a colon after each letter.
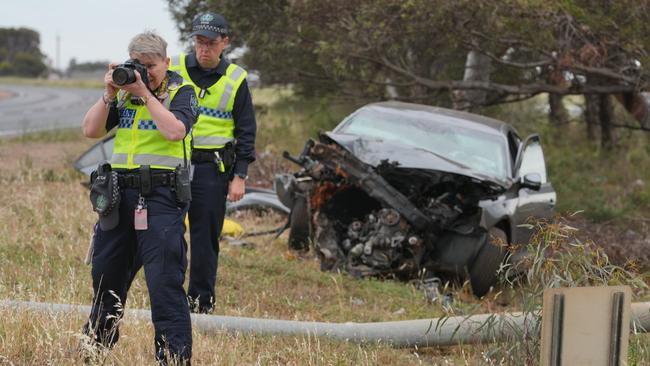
x: 180, y: 106
x: 243, y: 112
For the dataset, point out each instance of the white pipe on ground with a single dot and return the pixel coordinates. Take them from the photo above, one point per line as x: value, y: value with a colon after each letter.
x: 481, y: 328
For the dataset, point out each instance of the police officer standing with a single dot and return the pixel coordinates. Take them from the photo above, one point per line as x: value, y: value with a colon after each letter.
x: 223, y: 147
x: 142, y: 196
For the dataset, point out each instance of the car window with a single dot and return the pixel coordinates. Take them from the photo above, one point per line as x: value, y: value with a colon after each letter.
x: 533, y: 160
x: 513, y: 143
x: 483, y: 152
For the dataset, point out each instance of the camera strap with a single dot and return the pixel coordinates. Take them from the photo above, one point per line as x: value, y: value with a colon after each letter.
x: 162, y: 91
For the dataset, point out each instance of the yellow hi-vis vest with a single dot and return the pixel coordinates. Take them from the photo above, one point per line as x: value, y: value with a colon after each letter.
x: 215, y: 126
x: 138, y: 141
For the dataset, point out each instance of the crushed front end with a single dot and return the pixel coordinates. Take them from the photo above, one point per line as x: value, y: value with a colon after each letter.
x: 384, y: 220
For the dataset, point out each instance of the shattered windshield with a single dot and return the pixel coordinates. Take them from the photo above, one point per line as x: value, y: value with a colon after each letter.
x: 482, y: 152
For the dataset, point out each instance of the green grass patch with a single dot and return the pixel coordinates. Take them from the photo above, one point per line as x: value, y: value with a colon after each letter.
x: 286, y: 121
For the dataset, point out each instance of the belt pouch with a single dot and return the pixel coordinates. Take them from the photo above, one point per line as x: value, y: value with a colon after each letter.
x: 182, y: 184
x: 145, y: 180
x: 228, y: 155
x: 101, y: 170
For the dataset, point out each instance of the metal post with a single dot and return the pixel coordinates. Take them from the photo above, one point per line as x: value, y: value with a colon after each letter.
x: 617, y: 323
x: 556, y: 335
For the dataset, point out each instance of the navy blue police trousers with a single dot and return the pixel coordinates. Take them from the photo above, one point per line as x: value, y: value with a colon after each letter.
x: 161, y: 249
x: 206, y: 216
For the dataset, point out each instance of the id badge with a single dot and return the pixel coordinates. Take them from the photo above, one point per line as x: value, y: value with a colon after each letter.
x: 140, y: 219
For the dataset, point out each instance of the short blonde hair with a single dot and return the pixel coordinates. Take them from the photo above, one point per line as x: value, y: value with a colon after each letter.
x: 148, y: 43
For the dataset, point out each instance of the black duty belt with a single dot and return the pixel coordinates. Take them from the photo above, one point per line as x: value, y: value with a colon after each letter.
x: 202, y: 156
x: 157, y: 180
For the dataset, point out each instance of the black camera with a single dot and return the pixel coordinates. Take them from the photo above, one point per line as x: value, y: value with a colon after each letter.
x: 125, y: 73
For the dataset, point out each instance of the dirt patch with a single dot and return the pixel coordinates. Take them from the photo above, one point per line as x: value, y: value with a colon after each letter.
x: 622, y: 241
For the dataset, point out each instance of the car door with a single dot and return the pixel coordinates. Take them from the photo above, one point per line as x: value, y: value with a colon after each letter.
x: 532, y: 203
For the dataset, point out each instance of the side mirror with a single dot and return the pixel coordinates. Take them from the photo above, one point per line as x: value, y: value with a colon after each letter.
x: 532, y: 181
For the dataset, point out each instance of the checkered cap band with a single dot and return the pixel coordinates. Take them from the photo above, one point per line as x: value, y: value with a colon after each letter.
x: 209, y: 27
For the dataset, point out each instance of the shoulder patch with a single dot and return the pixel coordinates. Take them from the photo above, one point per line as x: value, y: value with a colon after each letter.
x: 194, y: 104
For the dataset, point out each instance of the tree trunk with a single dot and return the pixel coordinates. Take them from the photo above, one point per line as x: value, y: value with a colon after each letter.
x: 420, y: 68
x: 592, y: 118
x: 638, y: 105
x: 477, y: 68
x: 607, y: 134
x: 557, y: 114
x: 391, y: 90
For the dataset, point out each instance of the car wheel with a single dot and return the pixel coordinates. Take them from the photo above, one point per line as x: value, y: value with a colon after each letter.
x: 483, y: 272
x: 299, y: 234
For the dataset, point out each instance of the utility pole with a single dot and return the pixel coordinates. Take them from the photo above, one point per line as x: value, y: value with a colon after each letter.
x: 58, y: 52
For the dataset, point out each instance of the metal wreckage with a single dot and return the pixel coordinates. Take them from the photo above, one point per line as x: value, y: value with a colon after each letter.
x: 416, y: 217
x: 383, y: 222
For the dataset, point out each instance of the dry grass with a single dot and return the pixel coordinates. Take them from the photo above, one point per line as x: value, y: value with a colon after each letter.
x: 36, y: 340
x: 66, y: 83
x: 46, y: 223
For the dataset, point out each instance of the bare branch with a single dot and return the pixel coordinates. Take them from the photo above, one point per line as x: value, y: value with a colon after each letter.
x: 501, y: 60
x: 532, y: 88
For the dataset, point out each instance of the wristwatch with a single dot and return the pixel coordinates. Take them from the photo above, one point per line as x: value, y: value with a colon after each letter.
x: 242, y: 176
x: 145, y: 98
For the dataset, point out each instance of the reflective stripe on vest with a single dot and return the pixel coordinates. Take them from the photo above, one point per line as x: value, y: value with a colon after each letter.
x: 139, y: 142
x: 211, y: 140
x: 215, y: 126
x: 148, y: 159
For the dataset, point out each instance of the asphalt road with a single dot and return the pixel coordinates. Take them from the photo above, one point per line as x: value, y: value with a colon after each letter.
x: 39, y: 108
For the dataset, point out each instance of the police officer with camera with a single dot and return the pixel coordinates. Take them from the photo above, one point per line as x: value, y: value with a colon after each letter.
x: 223, y: 147
x: 142, y: 196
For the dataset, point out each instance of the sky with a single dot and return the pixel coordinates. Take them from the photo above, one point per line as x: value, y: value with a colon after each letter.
x: 91, y: 30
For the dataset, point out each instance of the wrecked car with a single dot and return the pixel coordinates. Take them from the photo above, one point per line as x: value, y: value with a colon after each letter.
x: 408, y: 191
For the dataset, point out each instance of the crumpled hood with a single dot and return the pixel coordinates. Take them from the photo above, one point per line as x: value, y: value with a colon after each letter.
x: 373, y: 151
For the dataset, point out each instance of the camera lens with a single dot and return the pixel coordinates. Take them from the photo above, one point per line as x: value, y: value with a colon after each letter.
x: 123, y: 76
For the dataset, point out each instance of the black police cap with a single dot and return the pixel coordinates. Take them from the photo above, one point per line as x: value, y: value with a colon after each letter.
x: 211, y: 25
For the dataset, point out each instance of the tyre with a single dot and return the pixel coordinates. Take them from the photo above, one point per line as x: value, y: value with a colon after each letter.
x: 483, y: 272
x: 299, y: 233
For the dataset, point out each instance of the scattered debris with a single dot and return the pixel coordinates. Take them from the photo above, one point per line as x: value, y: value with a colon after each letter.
x: 238, y: 243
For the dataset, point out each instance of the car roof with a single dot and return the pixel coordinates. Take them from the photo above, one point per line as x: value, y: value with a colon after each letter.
x: 469, y: 120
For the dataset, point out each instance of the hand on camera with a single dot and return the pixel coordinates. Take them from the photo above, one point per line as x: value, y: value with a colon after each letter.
x: 137, y: 88
x: 109, y: 86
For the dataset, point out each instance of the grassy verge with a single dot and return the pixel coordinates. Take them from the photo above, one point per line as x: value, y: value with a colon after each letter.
x: 286, y: 121
x: 46, y: 228
x: 68, y: 83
